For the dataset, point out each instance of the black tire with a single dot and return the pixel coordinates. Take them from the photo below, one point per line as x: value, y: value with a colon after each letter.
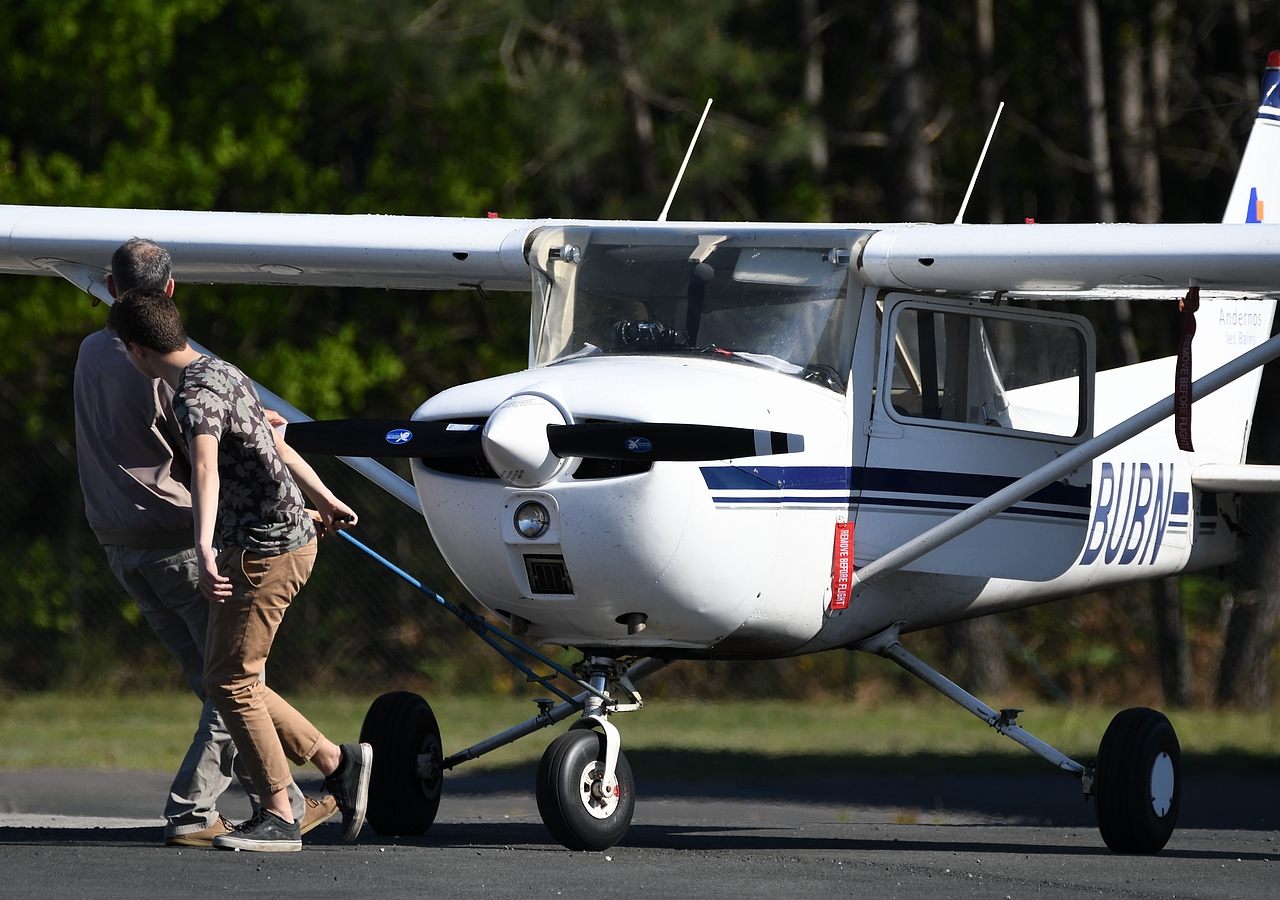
x: 574, y: 817
x: 1139, y: 782
x: 544, y: 787
x: 400, y: 726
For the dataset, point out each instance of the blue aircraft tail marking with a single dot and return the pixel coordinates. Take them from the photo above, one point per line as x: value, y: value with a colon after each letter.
x: 1131, y: 514
x: 1255, y: 212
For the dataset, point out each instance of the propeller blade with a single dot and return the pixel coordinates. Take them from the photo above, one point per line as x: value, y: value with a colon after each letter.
x: 385, y: 437
x: 667, y: 441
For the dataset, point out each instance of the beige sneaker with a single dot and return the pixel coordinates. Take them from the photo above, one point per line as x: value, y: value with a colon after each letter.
x: 318, y: 812
x: 205, y: 838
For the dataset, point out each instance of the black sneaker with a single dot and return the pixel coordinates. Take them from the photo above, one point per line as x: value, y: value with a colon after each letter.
x: 349, y: 785
x: 266, y: 832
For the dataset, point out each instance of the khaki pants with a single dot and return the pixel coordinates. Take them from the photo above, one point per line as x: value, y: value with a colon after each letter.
x: 163, y: 584
x: 267, y: 730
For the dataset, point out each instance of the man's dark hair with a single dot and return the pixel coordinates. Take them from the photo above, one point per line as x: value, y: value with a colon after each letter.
x: 140, y: 263
x: 148, y: 317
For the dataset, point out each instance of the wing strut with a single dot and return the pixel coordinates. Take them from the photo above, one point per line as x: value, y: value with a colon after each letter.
x: 1061, y: 467
x: 886, y: 644
x: 90, y: 280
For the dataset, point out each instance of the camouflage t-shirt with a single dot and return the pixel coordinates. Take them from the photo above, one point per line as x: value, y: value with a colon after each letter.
x: 259, y: 505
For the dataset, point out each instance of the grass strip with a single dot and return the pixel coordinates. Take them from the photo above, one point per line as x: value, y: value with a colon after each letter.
x: 736, y: 740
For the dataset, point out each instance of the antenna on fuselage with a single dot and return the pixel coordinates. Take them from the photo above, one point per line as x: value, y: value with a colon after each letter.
x: 978, y: 168
x: 662, y: 217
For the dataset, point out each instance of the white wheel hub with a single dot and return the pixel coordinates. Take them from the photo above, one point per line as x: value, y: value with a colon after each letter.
x: 598, y: 796
x: 1162, y: 784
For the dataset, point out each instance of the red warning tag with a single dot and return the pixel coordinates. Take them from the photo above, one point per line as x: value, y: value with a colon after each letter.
x: 841, y: 565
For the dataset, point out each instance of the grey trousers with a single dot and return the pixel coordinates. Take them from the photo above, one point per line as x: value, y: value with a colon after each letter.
x: 164, y: 585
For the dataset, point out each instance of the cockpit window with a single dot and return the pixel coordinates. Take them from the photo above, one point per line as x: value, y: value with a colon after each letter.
x: 773, y: 299
x: 993, y: 370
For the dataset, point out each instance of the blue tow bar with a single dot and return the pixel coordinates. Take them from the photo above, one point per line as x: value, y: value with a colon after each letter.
x: 487, y: 633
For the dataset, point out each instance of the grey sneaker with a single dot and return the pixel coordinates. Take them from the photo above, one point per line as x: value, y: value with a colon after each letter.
x: 349, y: 785
x: 266, y: 832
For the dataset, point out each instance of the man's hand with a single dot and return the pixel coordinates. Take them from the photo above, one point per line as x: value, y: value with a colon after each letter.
x: 334, y: 515
x: 330, y: 512
x: 215, y: 587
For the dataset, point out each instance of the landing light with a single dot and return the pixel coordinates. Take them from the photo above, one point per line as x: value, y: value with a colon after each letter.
x: 532, y: 520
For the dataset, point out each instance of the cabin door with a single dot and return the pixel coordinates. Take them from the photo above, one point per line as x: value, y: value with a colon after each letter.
x: 969, y: 398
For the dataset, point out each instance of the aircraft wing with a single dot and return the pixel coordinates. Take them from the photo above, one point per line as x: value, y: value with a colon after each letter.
x: 276, y: 248
x: 428, y: 253
x: 1101, y: 260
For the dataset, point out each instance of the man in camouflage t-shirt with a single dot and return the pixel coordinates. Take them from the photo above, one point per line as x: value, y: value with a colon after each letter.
x: 261, y: 509
x: 255, y: 547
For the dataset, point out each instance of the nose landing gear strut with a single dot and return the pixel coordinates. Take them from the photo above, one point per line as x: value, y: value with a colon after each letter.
x: 585, y: 790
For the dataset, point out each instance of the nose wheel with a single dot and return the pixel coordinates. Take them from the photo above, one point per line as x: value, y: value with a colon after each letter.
x: 581, y: 807
x: 1139, y: 782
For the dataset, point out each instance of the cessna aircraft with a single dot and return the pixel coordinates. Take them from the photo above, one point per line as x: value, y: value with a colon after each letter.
x: 750, y: 441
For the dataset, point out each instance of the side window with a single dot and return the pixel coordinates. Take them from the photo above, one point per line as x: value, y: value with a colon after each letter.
x: 989, y: 371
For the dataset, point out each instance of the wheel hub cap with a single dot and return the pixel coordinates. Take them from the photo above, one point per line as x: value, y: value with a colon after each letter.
x: 599, y: 797
x: 1162, y: 784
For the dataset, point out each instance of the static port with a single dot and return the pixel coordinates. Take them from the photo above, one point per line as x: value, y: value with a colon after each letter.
x: 532, y: 520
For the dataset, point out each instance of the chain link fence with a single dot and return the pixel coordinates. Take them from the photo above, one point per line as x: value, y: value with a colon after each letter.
x: 68, y: 624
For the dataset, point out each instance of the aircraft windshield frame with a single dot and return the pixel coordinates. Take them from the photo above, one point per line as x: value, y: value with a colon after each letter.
x: 778, y: 299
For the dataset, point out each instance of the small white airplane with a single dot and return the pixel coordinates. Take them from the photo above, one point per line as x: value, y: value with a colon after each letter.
x: 751, y: 441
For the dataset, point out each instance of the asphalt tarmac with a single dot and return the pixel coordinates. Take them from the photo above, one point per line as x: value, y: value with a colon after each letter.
x: 94, y: 834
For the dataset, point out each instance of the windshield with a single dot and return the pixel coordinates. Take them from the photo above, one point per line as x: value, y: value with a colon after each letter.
x: 775, y: 299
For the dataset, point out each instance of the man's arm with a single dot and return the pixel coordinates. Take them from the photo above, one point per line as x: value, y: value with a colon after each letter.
x: 334, y: 514
x: 204, y: 509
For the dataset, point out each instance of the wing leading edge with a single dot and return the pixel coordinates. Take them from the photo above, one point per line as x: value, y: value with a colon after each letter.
x: 277, y: 248
x: 432, y: 253
x: 1118, y: 260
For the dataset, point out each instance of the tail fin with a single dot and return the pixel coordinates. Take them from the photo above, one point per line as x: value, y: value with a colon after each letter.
x: 1258, y: 181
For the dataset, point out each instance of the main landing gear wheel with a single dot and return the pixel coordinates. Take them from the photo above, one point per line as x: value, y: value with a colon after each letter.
x: 1139, y: 782
x: 582, y: 811
x: 404, y: 788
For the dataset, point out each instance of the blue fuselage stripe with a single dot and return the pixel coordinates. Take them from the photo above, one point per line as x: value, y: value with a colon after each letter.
x: 856, y: 481
x: 938, y: 505
x: 874, y: 487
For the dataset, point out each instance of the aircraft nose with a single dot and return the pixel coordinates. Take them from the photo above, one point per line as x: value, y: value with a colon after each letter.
x: 514, y: 440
